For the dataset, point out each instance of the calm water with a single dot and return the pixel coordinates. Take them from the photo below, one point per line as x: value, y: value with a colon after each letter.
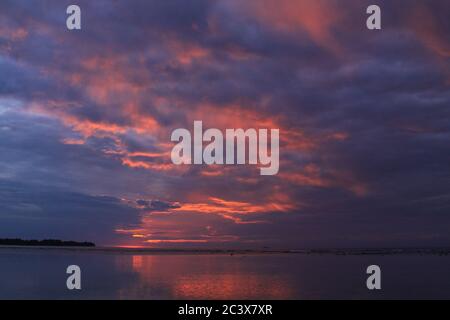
x: 40, y: 274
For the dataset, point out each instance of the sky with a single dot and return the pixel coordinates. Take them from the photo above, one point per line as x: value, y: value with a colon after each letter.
x: 86, y: 118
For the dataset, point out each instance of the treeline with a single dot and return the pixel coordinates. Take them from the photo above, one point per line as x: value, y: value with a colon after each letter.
x: 47, y: 243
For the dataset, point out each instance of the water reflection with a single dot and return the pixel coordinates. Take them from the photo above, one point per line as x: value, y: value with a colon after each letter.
x: 41, y: 274
x: 209, y: 277
x: 231, y: 286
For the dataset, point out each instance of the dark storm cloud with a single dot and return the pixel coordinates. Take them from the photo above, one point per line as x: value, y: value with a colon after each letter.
x: 34, y: 211
x: 156, y: 205
x: 32, y: 150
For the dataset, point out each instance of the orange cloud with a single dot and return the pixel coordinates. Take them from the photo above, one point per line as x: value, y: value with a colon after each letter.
x: 11, y: 34
x: 186, y: 53
x: 70, y: 141
x: 317, y: 18
x: 430, y: 32
x: 229, y: 208
x: 312, y: 175
x: 149, y: 166
x: 153, y: 241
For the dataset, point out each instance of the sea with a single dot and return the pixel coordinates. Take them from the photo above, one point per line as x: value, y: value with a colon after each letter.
x: 41, y: 273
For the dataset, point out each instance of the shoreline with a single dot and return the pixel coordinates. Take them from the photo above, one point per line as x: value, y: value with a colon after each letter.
x: 173, y: 251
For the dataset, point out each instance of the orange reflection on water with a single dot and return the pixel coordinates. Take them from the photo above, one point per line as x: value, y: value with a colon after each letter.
x: 232, y: 286
x: 208, y: 277
x: 137, y: 262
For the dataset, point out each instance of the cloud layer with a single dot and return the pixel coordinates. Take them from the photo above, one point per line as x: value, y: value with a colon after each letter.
x: 86, y: 117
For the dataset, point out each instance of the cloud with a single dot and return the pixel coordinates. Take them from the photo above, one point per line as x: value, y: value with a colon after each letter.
x: 363, y: 118
x: 156, y: 205
x: 33, y: 211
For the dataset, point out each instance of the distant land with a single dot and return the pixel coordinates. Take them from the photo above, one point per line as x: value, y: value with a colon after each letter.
x: 44, y: 243
x: 91, y: 247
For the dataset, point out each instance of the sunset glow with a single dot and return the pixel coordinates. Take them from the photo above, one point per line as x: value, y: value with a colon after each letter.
x: 86, y: 120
